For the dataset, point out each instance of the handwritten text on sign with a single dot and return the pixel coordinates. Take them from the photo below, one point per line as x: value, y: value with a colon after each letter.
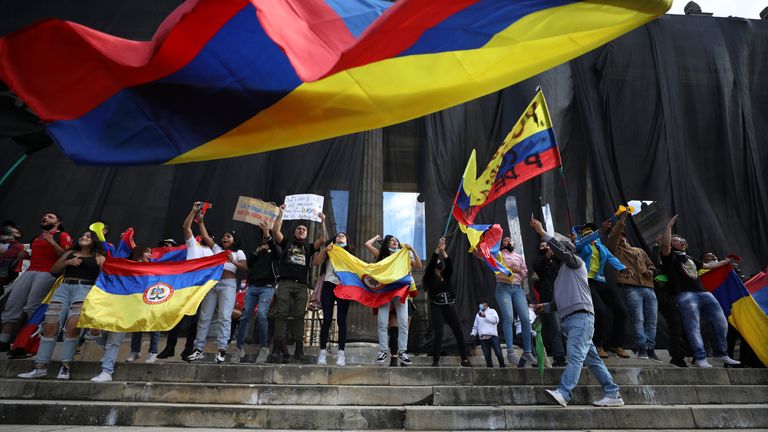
x: 255, y: 211
x: 303, y: 207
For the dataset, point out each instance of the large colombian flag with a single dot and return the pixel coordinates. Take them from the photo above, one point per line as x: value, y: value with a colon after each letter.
x: 224, y: 78
x: 131, y: 296
x: 739, y: 307
x: 373, y: 284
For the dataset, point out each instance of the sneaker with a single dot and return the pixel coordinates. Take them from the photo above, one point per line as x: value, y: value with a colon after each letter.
x: 221, y: 356
x: 239, y: 355
x: 63, y: 373
x: 725, y: 360
x: 559, y: 362
x: 321, y: 358
x: 511, y: 359
x: 166, y: 353
x: 642, y: 355
x: 340, y: 359
x: 151, y: 358
x: 528, y: 357
x: 609, y: 401
x: 382, y: 357
x: 261, y: 354
x: 34, y: 373
x: 601, y: 352
x: 132, y: 357
x: 187, y: 352
x: 701, y: 363
x: 196, y: 355
x: 619, y: 352
x: 403, y: 356
x: 558, y: 397
x: 102, y: 377
x: 654, y: 358
x: 466, y: 363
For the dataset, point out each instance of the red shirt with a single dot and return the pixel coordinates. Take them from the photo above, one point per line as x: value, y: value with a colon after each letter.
x: 43, y: 253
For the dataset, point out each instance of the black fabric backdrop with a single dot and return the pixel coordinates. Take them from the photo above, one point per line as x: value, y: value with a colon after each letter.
x: 675, y: 112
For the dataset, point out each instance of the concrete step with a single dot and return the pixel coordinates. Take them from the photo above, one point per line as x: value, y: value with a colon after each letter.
x: 446, y: 395
x: 66, y: 428
x: 378, y: 417
x: 397, y: 376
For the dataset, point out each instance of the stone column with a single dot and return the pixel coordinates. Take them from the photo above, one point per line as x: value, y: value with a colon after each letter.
x: 361, y: 323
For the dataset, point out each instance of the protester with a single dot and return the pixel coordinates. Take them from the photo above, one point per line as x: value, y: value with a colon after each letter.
x: 437, y: 283
x: 637, y: 289
x: 573, y: 300
x: 10, y: 249
x: 262, y: 280
x: 328, y: 298
x: 294, y: 284
x: 32, y: 286
x: 512, y: 300
x: 143, y: 254
x: 80, y: 268
x: 389, y: 246
x: 694, y: 303
x: 486, y: 328
x: 604, y: 296
x: 546, y: 268
x: 221, y: 298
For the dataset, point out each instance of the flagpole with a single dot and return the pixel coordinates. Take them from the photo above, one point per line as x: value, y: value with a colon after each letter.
x: 559, y: 158
x: 448, y: 222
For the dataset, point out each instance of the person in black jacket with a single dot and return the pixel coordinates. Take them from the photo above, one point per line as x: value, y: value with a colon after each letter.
x: 437, y: 283
x: 546, y: 268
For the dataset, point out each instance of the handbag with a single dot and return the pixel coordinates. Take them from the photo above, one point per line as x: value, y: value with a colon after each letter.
x: 314, y: 300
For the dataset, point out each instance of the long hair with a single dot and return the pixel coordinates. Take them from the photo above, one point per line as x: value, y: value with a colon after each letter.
x: 235, y: 240
x: 349, y: 248
x: 96, y: 247
x: 137, y: 252
x: 384, y: 248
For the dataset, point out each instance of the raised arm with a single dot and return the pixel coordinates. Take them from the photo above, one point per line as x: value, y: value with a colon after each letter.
x: 666, y: 239
x: 558, y: 250
x: 207, y: 240
x: 371, y: 248
x: 416, y: 261
x: 277, y: 227
x: 612, y: 243
x: 187, y: 226
x: 323, y: 235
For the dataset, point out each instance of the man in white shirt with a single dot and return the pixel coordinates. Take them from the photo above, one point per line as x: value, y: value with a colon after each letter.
x: 486, y: 326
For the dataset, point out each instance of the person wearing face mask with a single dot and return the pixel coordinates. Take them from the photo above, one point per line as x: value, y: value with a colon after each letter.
x: 437, y: 283
x: 512, y: 300
x: 28, y: 291
x: 486, y: 328
x: 328, y: 298
x: 391, y: 245
x: 294, y: 285
x: 546, y: 267
x: 692, y: 300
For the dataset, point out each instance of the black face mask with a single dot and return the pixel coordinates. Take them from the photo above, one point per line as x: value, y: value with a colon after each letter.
x: 47, y: 227
x: 543, y: 251
x: 510, y: 248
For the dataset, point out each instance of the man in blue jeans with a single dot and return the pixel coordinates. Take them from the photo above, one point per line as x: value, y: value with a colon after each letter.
x: 573, y: 302
x: 692, y: 300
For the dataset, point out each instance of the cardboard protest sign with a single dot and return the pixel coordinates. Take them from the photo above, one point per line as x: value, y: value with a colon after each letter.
x: 303, y: 207
x: 255, y: 211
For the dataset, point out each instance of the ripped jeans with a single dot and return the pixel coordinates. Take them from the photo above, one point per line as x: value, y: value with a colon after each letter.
x: 65, y: 305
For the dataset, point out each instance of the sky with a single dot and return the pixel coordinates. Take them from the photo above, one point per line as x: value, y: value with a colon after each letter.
x: 724, y: 8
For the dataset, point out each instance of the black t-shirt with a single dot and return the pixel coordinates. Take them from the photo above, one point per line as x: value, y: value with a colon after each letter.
x: 431, y: 283
x: 296, y: 260
x: 682, y: 271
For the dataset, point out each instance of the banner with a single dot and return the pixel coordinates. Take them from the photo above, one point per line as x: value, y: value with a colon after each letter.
x: 303, y: 207
x: 255, y: 211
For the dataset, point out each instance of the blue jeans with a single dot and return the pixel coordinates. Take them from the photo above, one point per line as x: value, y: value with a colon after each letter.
x: 487, y: 345
x: 692, y: 306
x: 154, y: 341
x: 578, y: 329
x: 111, y: 348
x: 643, y: 313
x: 220, y: 299
x: 65, y: 305
x: 512, y: 301
x: 261, y: 295
x: 401, y: 310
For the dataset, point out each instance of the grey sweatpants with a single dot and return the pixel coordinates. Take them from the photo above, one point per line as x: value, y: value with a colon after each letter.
x: 27, y: 292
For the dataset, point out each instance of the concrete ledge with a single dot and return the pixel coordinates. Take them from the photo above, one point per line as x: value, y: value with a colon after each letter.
x: 737, y: 417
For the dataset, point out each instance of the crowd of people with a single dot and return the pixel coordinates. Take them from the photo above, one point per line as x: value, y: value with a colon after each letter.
x: 583, y: 316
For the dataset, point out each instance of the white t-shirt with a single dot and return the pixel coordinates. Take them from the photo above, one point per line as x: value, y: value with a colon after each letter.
x: 330, y: 274
x: 196, y: 250
x: 239, y: 256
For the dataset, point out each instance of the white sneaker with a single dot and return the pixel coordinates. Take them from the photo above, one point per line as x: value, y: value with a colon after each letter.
x: 558, y: 397
x: 132, y: 357
x: 701, y: 363
x: 726, y: 360
x: 321, y: 358
x: 609, y: 401
x: 34, y: 373
x: 151, y: 358
x: 404, y: 359
x: 261, y: 354
x: 340, y: 359
x: 381, y: 357
x: 221, y: 356
x: 196, y: 355
x: 63, y: 373
x: 102, y: 377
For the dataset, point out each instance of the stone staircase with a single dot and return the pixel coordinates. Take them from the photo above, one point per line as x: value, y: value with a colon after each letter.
x: 418, y: 397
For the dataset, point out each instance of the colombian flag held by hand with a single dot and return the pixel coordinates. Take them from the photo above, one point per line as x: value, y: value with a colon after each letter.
x: 133, y: 296
x: 376, y: 283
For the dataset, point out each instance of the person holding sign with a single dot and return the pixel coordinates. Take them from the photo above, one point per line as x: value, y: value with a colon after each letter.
x: 294, y: 283
x: 327, y: 299
x: 391, y: 245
